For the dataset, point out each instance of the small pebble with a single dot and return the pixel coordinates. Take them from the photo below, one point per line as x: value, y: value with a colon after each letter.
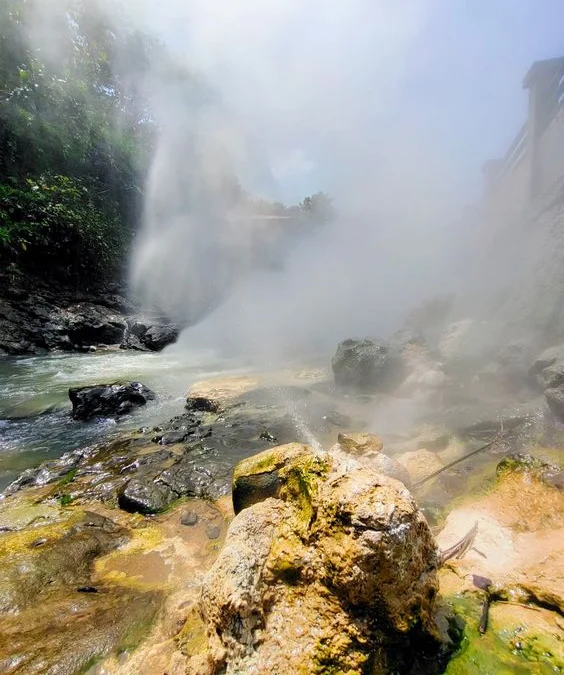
x: 213, y: 531
x: 189, y: 518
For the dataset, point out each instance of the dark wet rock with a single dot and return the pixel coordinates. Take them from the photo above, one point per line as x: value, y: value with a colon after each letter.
x: 108, y: 400
x: 144, y: 335
x: 175, y: 436
x: 158, y: 337
x: 89, y: 324
x: 190, y: 477
x: 202, y: 404
x: 145, y: 497
x: 189, y: 518
x: 367, y: 365
x: 213, y: 531
x: 144, y: 473
x: 48, y: 472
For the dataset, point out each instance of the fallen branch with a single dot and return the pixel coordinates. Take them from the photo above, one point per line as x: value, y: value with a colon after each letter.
x: 456, y: 461
x: 461, y: 547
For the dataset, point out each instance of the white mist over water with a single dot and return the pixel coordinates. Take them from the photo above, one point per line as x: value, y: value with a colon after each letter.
x: 389, y: 107
x: 307, y: 98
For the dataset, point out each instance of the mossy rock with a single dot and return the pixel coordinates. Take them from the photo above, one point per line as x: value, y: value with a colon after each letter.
x: 289, y: 472
x: 38, y: 560
x: 521, y: 463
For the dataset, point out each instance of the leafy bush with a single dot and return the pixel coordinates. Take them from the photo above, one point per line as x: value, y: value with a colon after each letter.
x: 59, y: 224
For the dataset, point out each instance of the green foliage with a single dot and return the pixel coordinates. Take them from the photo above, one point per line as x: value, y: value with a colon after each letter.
x: 65, y: 499
x: 76, y: 136
x: 67, y: 478
x: 59, y: 223
x: 77, y: 133
x: 318, y: 207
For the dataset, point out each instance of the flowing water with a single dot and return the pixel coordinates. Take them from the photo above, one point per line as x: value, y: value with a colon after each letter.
x: 35, y: 423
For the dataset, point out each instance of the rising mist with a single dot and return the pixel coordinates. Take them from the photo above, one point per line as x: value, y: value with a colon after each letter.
x: 353, y: 99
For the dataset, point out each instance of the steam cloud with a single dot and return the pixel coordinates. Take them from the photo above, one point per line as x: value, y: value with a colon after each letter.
x: 308, y: 97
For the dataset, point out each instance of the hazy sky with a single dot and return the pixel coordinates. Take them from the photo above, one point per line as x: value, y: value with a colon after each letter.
x: 330, y: 90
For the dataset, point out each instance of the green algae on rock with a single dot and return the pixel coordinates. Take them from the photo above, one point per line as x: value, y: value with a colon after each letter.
x: 56, y: 616
x: 520, y: 640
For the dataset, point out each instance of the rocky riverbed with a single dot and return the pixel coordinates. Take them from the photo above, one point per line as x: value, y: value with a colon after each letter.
x: 37, y: 317
x: 150, y: 552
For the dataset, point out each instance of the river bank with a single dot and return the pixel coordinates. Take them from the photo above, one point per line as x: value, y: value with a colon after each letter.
x: 159, y: 486
x: 38, y: 316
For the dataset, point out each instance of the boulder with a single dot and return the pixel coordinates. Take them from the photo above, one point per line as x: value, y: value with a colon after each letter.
x: 202, y: 404
x: 555, y: 399
x: 261, y: 476
x: 330, y: 572
x: 89, y: 324
x: 365, y: 449
x: 509, y: 371
x: 108, y: 400
x: 547, y: 370
x: 158, y: 337
x: 420, y: 463
x: 145, y: 497
x: 360, y: 443
x: 144, y: 335
x: 367, y: 365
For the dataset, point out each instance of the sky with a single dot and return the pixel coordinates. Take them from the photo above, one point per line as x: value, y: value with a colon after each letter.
x: 330, y: 91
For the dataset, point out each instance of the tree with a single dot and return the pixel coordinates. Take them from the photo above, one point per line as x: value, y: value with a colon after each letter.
x: 76, y: 134
x: 318, y: 208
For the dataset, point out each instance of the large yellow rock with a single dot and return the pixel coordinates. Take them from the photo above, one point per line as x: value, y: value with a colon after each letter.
x: 331, y: 571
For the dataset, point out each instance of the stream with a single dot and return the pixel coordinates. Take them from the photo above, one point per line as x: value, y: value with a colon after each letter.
x: 35, y: 423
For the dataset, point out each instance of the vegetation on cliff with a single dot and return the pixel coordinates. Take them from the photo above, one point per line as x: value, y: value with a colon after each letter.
x: 77, y: 131
x: 75, y: 137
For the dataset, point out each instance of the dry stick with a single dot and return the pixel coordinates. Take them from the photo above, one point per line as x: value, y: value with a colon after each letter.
x: 483, y: 625
x: 456, y: 461
x: 461, y: 547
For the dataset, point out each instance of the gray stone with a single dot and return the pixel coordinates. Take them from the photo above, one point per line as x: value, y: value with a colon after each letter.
x: 143, y: 497
x: 213, y: 531
x: 555, y: 400
x: 189, y: 518
x: 108, y: 400
x: 367, y: 364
